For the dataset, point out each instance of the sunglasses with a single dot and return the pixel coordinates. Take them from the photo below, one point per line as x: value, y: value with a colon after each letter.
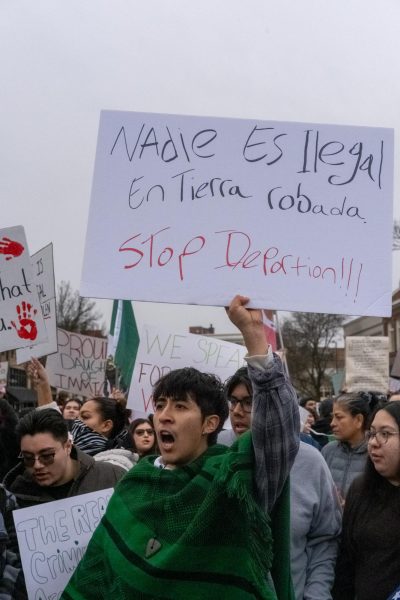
x: 141, y: 432
x: 45, y: 459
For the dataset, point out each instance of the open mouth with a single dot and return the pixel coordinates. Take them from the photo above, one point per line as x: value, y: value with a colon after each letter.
x: 240, y: 427
x: 166, y: 439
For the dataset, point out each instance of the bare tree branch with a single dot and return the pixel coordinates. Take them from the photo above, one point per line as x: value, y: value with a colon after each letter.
x: 308, y: 338
x: 75, y: 313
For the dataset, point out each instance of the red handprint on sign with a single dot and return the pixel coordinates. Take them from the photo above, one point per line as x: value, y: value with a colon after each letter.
x: 26, y: 328
x: 11, y: 247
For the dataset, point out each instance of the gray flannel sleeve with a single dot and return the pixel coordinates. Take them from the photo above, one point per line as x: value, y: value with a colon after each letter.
x: 275, y: 429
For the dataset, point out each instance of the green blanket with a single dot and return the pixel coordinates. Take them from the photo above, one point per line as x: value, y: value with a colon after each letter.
x: 215, y: 542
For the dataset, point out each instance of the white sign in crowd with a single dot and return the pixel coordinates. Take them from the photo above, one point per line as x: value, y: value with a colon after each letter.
x: 367, y: 363
x: 43, y: 273
x: 79, y: 365
x: 21, y: 320
x: 52, y: 541
x: 204, y: 208
x: 161, y: 351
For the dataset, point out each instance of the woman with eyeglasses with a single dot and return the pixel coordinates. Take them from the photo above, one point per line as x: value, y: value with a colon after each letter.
x: 143, y: 437
x: 347, y: 455
x: 368, y: 565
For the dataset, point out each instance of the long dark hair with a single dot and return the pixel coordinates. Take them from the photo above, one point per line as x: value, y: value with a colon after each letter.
x: 112, y: 410
x: 132, y: 428
x: 373, y: 485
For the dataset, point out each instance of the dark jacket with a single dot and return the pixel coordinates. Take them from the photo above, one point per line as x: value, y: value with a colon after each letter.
x: 92, y: 476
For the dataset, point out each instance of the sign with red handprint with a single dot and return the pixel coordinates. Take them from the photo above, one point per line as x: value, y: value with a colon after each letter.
x: 43, y: 273
x: 21, y: 321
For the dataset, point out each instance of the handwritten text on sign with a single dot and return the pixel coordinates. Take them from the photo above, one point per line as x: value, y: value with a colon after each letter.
x: 203, y: 208
x: 21, y: 321
x: 53, y: 537
x: 79, y: 365
x: 161, y: 351
x: 43, y: 273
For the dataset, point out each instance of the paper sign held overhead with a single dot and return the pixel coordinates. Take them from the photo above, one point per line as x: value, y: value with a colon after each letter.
x: 21, y: 321
x: 203, y: 208
x: 43, y: 273
x: 367, y: 363
x: 161, y: 351
x: 79, y: 365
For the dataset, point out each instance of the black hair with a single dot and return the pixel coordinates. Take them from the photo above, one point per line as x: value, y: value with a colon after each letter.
x: 8, y: 416
x: 304, y: 399
x: 325, y: 408
x: 9, y: 443
x: 43, y: 421
x: 240, y: 377
x: 361, y: 403
x: 132, y: 428
x: 112, y: 410
x: 205, y: 389
x: 374, y: 490
x: 77, y: 400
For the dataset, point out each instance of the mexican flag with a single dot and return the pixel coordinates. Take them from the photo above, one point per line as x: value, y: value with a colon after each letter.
x: 123, y: 341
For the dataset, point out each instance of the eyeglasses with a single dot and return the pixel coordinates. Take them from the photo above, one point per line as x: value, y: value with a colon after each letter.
x: 141, y: 432
x: 245, y: 403
x: 45, y: 459
x: 381, y: 436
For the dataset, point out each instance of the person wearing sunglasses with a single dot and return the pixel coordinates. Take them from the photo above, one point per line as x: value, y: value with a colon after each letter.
x: 368, y: 565
x: 143, y: 437
x: 50, y: 466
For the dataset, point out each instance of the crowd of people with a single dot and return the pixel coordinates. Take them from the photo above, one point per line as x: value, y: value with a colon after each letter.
x: 229, y: 490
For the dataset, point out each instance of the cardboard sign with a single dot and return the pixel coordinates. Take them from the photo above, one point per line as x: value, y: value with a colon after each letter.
x: 43, y: 272
x: 21, y: 321
x: 79, y: 365
x: 53, y: 537
x: 161, y: 351
x: 367, y: 364
x: 197, y: 209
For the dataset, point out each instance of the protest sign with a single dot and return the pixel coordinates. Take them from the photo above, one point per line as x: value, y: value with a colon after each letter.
x: 161, y: 351
x: 196, y: 209
x: 53, y: 537
x: 43, y: 272
x: 367, y: 363
x: 21, y: 321
x: 79, y: 365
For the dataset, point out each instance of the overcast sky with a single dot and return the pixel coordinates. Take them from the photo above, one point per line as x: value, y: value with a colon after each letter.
x: 62, y: 62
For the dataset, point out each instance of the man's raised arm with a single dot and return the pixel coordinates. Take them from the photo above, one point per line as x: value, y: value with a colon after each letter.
x: 275, y: 419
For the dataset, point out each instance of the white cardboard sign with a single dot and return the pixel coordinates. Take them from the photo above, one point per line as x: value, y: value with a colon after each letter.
x: 43, y: 272
x: 160, y: 351
x: 21, y: 321
x: 196, y: 209
x: 79, y: 365
x: 53, y: 537
x: 367, y: 363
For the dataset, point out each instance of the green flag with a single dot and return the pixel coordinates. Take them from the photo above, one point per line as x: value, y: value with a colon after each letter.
x: 123, y: 341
